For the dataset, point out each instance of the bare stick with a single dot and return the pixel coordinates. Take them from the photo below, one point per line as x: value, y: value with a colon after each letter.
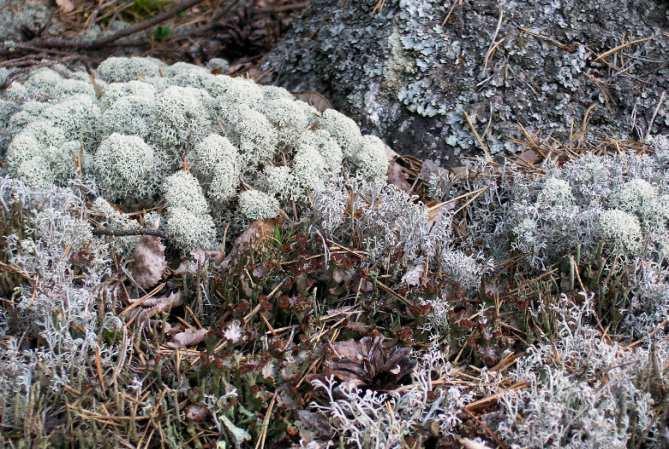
x: 622, y: 46
x: 480, y: 141
x: 495, y: 42
x: 107, y: 40
x: 652, y: 119
x: 129, y: 232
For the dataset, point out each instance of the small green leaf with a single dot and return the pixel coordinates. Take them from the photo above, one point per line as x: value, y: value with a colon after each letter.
x: 162, y: 33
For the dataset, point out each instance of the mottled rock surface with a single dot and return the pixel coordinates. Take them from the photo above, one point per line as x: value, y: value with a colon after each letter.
x: 410, y: 71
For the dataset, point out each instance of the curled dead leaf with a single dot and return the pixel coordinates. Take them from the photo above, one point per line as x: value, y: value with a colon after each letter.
x: 314, y: 99
x: 149, y: 262
x: 529, y: 156
x: 160, y: 304
x: 259, y: 231
x: 65, y: 6
x: 371, y: 362
x: 197, y: 413
x: 398, y: 176
x: 472, y: 444
x: 198, y: 258
x: 190, y: 337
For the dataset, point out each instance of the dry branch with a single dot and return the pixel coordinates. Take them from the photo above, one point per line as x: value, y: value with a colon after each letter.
x: 106, y: 40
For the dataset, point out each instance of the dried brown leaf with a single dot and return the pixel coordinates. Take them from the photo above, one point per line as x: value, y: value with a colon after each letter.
x: 314, y: 99
x: 370, y: 362
x: 65, y: 6
x: 197, y: 413
x: 257, y: 232
x: 190, y: 337
x: 398, y: 176
x: 197, y: 260
x: 149, y: 262
x: 160, y: 304
x: 529, y: 156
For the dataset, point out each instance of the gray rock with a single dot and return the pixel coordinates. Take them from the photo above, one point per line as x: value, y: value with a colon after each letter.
x: 219, y: 65
x: 409, y: 75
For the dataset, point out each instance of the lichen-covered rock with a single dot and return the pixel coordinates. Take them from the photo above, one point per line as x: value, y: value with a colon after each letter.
x: 225, y: 150
x: 411, y: 71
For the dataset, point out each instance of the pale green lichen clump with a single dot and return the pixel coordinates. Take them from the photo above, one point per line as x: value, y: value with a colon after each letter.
x: 257, y: 205
x: 622, y: 231
x: 125, y: 167
x: 189, y: 223
x: 250, y: 149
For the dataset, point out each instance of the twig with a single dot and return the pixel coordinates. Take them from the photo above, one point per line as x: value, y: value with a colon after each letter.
x: 129, y: 232
x: 494, y: 43
x: 622, y: 46
x: 378, y: 6
x: 260, y: 444
x: 566, y: 47
x: 652, y: 119
x: 284, y: 8
x: 111, y: 38
x: 480, y: 141
x: 492, y: 399
x: 450, y: 12
x: 141, y: 301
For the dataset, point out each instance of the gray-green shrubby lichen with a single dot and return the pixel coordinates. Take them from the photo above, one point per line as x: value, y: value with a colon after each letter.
x: 41, y: 156
x: 123, y: 69
x: 132, y: 115
x: 139, y: 120
x: 215, y: 161
x: 182, y: 190
x: 189, y: 222
x: 125, y: 167
x: 288, y: 118
x: 108, y: 217
x: 370, y: 159
x: 608, y: 210
x: 342, y: 129
x: 397, y: 231
x: 115, y: 91
x: 60, y: 313
x: 253, y: 134
x: 181, y: 119
x: 189, y: 231
x: 565, y: 385
x: 621, y: 231
x: 257, y: 205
